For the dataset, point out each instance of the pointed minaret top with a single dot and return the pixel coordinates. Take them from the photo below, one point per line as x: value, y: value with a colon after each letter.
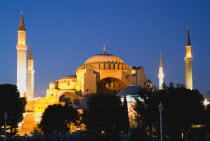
x: 188, y: 36
x: 161, y: 63
x: 104, y: 50
x: 30, y: 55
x: 21, y: 25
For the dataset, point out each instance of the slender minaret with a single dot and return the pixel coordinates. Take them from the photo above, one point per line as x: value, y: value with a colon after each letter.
x: 188, y: 63
x: 30, y: 76
x: 161, y: 75
x: 21, y: 57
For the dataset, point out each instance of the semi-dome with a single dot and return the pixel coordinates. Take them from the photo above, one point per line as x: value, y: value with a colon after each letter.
x: 104, y: 58
x: 131, y: 93
x: 131, y: 90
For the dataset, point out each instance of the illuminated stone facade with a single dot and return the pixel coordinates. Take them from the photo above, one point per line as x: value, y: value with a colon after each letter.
x: 102, y: 73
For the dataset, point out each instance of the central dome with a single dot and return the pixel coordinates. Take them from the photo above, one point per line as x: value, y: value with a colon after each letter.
x: 105, y: 61
x: 104, y: 58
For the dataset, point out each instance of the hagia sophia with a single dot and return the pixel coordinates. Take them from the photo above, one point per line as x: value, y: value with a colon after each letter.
x: 101, y: 73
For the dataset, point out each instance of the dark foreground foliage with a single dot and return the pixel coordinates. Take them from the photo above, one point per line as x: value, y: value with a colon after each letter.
x: 57, y: 119
x: 13, y: 105
x: 139, y: 133
x: 182, y: 108
x: 106, y: 113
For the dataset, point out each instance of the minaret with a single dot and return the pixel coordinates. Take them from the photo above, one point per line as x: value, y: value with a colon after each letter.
x: 161, y: 75
x: 188, y: 63
x: 21, y: 57
x: 30, y: 76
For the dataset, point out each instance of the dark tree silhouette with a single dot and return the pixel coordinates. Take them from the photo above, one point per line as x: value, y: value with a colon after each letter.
x: 13, y: 105
x: 124, y: 118
x: 181, y: 109
x: 139, y: 133
x: 57, y: 119
x: 147, y: 112
x: 104, y: 112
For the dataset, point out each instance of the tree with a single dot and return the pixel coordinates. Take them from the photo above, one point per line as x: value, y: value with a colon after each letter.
x: 124, y: 118
x: 147, y: 111
x: 57, y: 119
x: 181, y: 108
x: 13, y: 105
x: 104, y: 113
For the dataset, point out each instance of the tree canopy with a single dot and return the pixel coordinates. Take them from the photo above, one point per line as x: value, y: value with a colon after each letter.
x: 181, y: 109
x: 13, y: 105
x: 57, y: 119
x: 106, y: 112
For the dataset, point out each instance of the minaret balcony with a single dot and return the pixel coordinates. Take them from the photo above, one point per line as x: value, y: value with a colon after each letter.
x: 21, y: 47
x: 188, y: 58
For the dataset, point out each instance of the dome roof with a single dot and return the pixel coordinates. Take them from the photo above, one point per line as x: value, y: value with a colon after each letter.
x: 104, y: 58
x: 132, y: 90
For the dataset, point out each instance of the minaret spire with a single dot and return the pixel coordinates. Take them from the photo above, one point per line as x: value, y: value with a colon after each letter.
x: 188, y: 43
x: 161, y: 62
x: 21, y: 25
x: 161, y: 75
x: 188, y: 62
x: 30, y: 55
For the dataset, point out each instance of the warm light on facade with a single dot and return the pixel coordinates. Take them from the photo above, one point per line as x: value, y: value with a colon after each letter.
x: 189, y: 55
x: 21, y: 87
x: 22, y: 37
x: 188, y: 52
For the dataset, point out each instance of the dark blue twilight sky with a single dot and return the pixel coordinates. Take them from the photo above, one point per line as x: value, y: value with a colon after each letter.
x: 64, y: 33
